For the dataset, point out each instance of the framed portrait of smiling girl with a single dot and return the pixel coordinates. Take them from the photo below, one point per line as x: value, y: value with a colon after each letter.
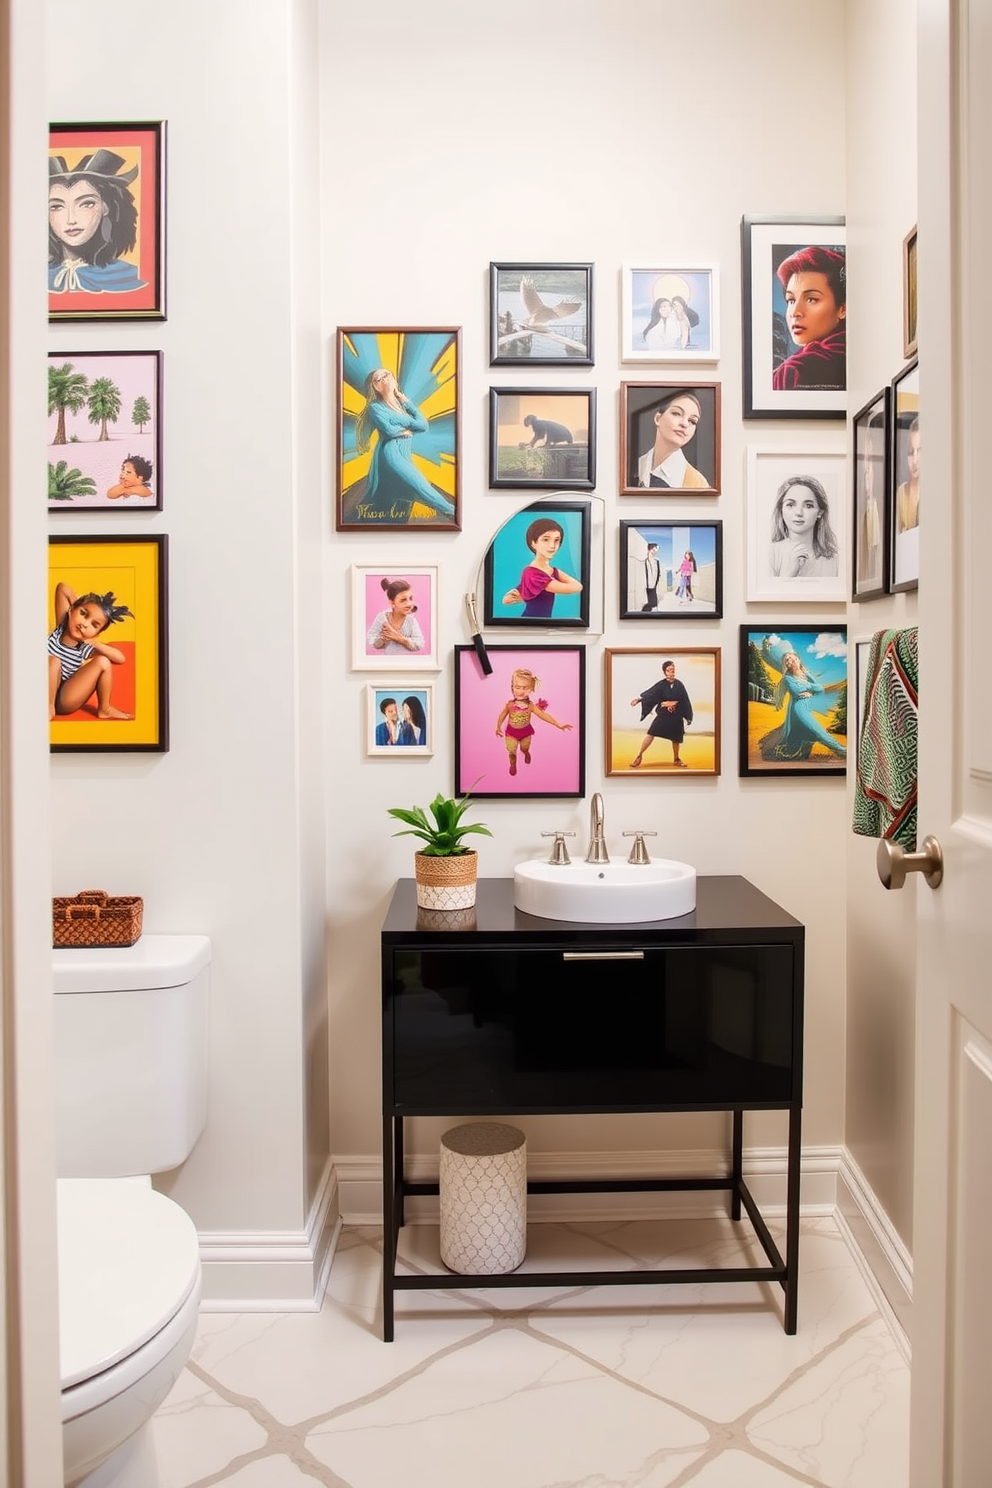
x: 106, y: 221
x: 796, y: 525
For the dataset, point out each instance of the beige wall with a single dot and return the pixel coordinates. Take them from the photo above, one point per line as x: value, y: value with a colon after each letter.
x: 445, y: 147
x: 881, y: 209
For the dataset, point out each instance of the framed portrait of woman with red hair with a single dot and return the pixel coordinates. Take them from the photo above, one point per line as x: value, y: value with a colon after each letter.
x: 794, y: 307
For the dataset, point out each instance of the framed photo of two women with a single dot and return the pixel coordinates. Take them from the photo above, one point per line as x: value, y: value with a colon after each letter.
x: 793, y: 700
x: 106, y: 221
x: 794, y: 314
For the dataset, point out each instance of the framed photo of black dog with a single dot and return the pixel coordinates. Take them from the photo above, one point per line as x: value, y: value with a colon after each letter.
x: 542, y: 439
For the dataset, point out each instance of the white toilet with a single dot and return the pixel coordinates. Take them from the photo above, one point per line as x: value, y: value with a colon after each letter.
x: 131, y: 1097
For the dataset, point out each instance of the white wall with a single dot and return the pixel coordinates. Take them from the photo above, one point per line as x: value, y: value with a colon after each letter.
x: 547, y: 132
x: 881, y: 206
x: 224, y: 834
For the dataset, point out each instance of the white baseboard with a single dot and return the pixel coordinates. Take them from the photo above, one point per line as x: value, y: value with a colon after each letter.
x: 360, y: 1180
x: 886, y: 1263
x: 274, y: 1271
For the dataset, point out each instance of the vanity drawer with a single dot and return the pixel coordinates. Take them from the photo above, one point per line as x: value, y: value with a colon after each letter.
x: 536, y: 1028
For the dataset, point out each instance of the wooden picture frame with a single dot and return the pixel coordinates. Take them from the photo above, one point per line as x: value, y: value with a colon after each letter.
x: 106, y: 221
x: 129, y: 572
x: 796, y: 728
x: 662, y: 713
x: 403, y: 599
x: 398, y: 449
x: 796, y: 520
x: 547, y: 533
x: 669, y: 314
x: 910, y: 280
x: 542, y: 439
x: 669, y: 438
x: 540, y: 314
x: 400, y: 719
x: 671, y: 570
x: 870, y: 503
x: 550, y: 761
x: 904, y: 481
x: 105, y: 431
x: 786, y: 376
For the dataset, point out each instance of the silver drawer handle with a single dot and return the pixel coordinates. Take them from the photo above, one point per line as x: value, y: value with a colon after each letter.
x: 602, y: 955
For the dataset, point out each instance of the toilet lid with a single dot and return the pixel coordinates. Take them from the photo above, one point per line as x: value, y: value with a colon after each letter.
x: 128, y: 1260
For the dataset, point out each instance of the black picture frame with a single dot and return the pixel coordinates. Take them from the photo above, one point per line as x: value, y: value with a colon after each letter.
x: 92, y: 397
x: 870, y: 498
x: 781, y: 731
x: 541, y: 314
x: 511, y: 554
x: 666, y: 599
x: 766, y: 243
x: 118, y: 271
x: 560, y: 453
x: 903, y: 504
x: 134, y: 571
x: 640, y: 403
x: 556, y: 767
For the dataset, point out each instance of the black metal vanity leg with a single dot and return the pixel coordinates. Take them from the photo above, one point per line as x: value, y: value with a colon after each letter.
x: 737, y: 1165
x: 792, y: 1222
x: 398, y: 1173
x: 388, y: 1228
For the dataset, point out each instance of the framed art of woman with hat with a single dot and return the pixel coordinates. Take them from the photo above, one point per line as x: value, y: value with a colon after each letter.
x: 105, y: 222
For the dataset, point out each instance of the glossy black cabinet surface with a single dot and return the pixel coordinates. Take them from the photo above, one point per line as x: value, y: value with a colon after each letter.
x: 496, y: 1012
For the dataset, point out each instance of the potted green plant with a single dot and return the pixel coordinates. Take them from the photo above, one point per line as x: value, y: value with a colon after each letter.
x: 445, y: 869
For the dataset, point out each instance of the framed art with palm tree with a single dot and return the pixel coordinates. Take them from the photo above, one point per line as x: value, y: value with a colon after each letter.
x: 105, y: 431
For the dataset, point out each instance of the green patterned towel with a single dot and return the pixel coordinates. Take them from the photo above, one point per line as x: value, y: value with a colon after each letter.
x: 885, y: 789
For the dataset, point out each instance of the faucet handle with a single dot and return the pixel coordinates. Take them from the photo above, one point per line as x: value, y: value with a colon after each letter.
x: 639, y: 853
x: 559, y: 852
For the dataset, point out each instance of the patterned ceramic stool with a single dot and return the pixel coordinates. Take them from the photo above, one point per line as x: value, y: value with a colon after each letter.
x: 483, y: 1198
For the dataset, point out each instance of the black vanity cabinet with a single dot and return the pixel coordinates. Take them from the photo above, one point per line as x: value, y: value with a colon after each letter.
x: 499, y: 1013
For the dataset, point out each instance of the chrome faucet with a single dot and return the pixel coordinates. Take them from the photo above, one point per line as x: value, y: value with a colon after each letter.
x: 597, y: 842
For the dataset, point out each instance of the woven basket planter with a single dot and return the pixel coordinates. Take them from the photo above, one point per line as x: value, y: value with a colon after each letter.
x: 446, y: 883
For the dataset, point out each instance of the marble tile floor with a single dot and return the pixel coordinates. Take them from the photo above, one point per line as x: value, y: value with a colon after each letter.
x: 596, y: 1387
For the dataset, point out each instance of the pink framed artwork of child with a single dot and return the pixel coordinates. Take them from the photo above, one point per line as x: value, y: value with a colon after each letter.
x: 394, y: 618
x: 520, y: 731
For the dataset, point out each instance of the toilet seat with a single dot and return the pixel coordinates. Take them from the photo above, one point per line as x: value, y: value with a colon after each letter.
x: 128, y: 1261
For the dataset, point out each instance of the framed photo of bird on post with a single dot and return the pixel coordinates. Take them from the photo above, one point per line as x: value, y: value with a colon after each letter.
x: 540, y: 314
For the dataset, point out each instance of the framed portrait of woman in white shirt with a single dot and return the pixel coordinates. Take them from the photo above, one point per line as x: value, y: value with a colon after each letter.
x: 669, y: 438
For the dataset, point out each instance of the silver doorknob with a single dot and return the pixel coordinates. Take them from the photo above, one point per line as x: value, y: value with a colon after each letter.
x: 894, y: 862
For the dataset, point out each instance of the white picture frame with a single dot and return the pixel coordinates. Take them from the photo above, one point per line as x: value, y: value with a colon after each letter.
x: 412, y: 713
x: 774, y: 560
x: 369, y: 601
x: 646, y: 336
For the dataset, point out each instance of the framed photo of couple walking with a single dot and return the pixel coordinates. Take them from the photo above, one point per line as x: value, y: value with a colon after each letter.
x: 671, y: 570
x: 793, y: 700
x: 663, y: 711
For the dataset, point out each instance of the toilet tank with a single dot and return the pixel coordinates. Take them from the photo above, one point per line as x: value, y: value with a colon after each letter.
x: 130, y: 1055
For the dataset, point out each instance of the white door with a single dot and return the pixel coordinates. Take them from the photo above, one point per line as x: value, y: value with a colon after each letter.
x: 951, y: 1437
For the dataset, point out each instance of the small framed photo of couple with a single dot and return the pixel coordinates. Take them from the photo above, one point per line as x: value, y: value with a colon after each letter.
x: 399, y: 719
x: 796, y: 525
x: 106, y: 221
x: 904, y: 481
x: 108, y: 644
x: 670, y: 438
x: 793, y: 700
x: 540, y: 314
x: 542, y: 438
x: 105, y: 431
x: 669, y: 314
x: 794, y: 312
x: 663, y: 711
x: 398, y: 462
x: 394, y: 618
x: 537, y: 567
x: 520, y: 731
x: 671, y: 570
x: 870, y: 507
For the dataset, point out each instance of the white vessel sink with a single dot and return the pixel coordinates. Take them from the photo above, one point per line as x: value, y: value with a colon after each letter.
x: 605, y: 893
